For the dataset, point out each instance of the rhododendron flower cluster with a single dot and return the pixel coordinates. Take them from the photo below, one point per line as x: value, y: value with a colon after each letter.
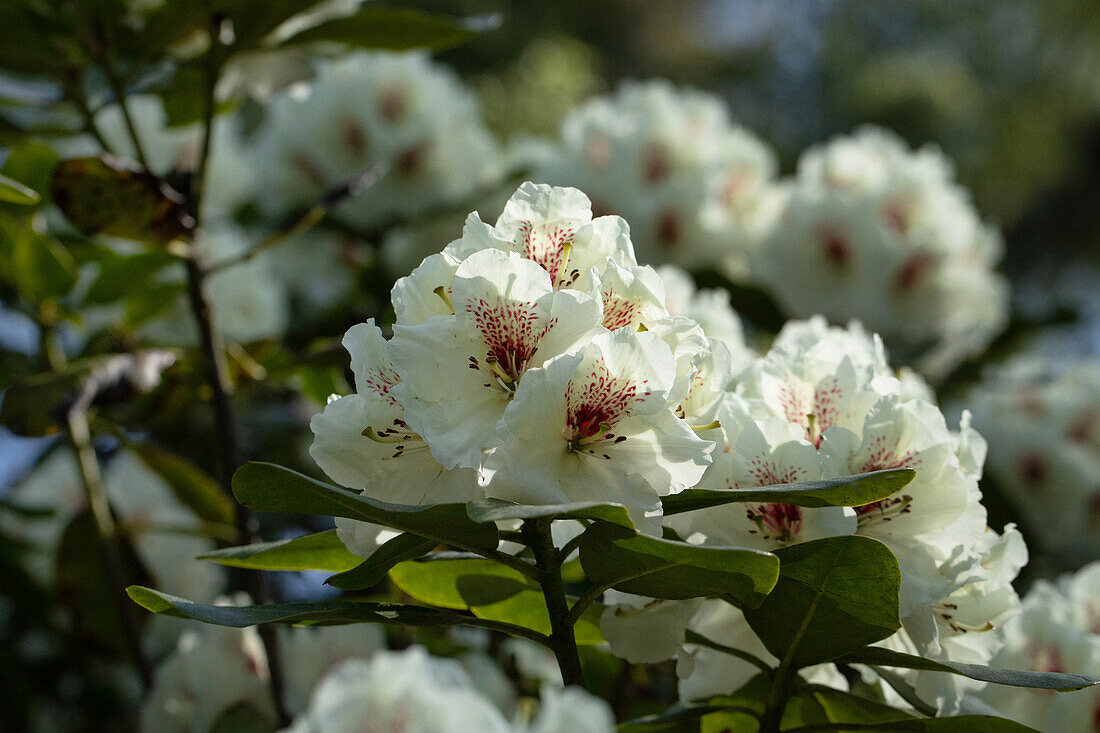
x: 695, y: 187
x: 532, y: 360
x: 370, y: 108
x: 1042, y: 421
x: 410, y: 691
x: 824, y: 403
x: 1058, y: 629
x: 874, y: 231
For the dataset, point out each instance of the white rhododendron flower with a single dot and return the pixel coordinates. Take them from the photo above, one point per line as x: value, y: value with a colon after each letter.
x: 536, y: 355
x: 598, y: 425
x: 966, y: 626
x: 874, y: 231
x: 362, y: 441
x: 824, y: 403
x: 411, y: 691
x: 696, y: 188
x: 216, y: 670
x: 248, y: 301
x: 397, y: 109
x: 1042, y: 422
x: 711, y: 309
x: 459, y: 372
x: 1051, y: 634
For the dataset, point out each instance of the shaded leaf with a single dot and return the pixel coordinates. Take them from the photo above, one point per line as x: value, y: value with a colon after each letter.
x: 107, y: 195
x: 857, y: 490
x: 488, y: 590
x: 36, y: 265
x: 495, y: 510
x: 659, y: 568
x: 195, y: 489
x: 31, y: 163
x: 1011, y: 677
x: 320, y: 551
x: 343, y: 611
x: 269, y: 488
x: 833, y: 596
x: 396, y: 29
x: 122, y: 275
x: 370, y: 572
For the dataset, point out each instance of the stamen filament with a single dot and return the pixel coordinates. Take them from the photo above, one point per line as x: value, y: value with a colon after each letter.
x: 441, y: 291
x: 708, y: 426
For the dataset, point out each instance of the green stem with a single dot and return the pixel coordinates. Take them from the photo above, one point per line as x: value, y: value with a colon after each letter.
x: 562, y: 641
x: 114, y: 81
x: 693, y: 637
x: 777, y: 699
x: 91, y: 479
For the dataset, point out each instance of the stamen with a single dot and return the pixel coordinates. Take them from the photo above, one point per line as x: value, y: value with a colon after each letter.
x: 566, y: 248
x: 708, y: 426
x: 384, y: 438
x: 441, y: 291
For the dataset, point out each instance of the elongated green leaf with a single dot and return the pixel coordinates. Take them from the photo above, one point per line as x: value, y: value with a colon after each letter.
x: 396, y: 29
x: 834, y: 595
x: 14, y: 192
x: 31, y: 163
x: 191, y: 485
x: 343, y: 611
x: 34, y: 263
x: 321, y: 551
x: 1012, y: 677
x: 495, y: 510
x: 488, y: 590
x: 658, y: 568
x: 269, y: 488
x: 857, y: 490
x: 371, y: 571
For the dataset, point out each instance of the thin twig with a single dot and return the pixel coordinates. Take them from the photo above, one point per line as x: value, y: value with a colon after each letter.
x: 91, y: 479
x: 114, y: 81
x: 693, y: 637
x: 308, y: 218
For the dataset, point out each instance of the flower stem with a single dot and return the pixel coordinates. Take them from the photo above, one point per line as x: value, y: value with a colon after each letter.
x: 777, y: 699
x: 562, y: 641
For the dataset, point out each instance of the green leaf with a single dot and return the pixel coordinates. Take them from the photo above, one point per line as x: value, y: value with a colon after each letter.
x: 487, y: 589
x: 33, y: 406
x: 343, y: 611
x: 858, y: 490
x: 106, y: 195
x: 15, y: 192
x: 321, y: 551
x: 1011, y: 677
x: 834, y: 595
x: 371, y: 571
x: 31, y: 163
x: 242, y: 718
x: 36, y: 265
x: 190, y: 484
x: 496, y: 510
x: 659, y: 568
x: 396, y: 29
x: 266, y: 487
x: 123, y: 275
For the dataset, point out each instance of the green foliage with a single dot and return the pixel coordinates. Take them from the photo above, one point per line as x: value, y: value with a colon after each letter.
x: 395, y: 29
x: 194, y: 488
x: 488, y: 590
x: 858, y: 490
x: 105, y: 195
x: 371, y: 571
x: 1012, y: 677
x: 270, y: 488
x: 321, y: 551
x: 634, y: 563
x: 833, y: 596
x: 497, y: 510
x: 14, y: 192
x: 35, y: 265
